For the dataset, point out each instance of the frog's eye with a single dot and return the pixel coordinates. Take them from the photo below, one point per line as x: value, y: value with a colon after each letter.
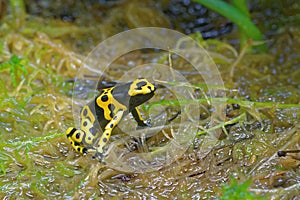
x: 141, y: 87
x: 141, y: 84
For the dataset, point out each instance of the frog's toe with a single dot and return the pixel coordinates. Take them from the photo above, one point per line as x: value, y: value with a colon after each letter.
x: 84, y: 151
x: 146, y: 123
x: 90, y: 150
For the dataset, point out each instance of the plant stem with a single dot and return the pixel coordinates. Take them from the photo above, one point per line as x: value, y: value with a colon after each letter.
x: 223, y: 124
x: 242, y: 103
x: 18, y: 11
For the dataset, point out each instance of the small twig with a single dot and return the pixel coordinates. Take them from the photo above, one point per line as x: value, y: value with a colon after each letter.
x: 239, y: 58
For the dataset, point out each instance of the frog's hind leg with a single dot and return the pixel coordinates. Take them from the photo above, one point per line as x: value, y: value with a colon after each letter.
x: 107, y: 133
x: 75, y: 136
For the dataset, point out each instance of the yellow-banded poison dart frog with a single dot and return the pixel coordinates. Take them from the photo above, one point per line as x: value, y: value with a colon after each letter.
x: 105, y: 112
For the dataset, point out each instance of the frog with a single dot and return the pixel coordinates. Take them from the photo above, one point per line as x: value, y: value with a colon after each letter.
x: 104, y: 112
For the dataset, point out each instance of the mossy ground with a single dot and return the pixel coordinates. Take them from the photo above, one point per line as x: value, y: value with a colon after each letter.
x: 38, y: 60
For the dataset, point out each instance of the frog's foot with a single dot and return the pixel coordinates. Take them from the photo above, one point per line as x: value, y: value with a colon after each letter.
x: 90, y: 150
x: 75, y: 136
x: 100, y: 157
x: 100, y: 153
x: 146, y: 123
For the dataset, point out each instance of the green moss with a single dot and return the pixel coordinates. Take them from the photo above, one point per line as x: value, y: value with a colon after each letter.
x: 236, y: 191
x: 36, y: 160
x: 17, y: 68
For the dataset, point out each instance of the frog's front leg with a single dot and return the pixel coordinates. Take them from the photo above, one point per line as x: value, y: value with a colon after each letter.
x: 107, y: 133
x: 138, y: 118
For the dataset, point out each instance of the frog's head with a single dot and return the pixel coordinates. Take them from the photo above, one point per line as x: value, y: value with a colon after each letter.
x: 140, y: 91
x: 141, y: 87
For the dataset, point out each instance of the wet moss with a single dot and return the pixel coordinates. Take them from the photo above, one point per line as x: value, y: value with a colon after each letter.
x: 37, y: 161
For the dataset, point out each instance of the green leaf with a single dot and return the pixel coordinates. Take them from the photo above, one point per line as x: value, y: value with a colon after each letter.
x: 237, y: 16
